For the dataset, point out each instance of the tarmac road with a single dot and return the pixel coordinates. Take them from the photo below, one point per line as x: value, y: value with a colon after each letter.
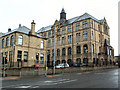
x: 92, y: 79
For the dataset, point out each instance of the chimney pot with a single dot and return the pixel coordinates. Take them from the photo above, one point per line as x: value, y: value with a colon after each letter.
x: 19, y: 25
x: 9, y: 29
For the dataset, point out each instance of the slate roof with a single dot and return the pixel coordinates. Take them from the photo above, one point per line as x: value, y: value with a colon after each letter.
x: 44, y: 29
x: 72, y: 20
x: 22, y: 29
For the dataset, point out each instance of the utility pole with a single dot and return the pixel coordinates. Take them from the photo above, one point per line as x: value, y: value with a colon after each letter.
x: 54, y: 51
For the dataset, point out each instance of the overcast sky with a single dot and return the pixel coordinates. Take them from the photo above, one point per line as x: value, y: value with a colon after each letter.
x: 45, y: 12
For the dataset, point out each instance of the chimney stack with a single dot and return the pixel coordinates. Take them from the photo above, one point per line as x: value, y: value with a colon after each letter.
x: 19, y: 25
x: 9, y: 29
x: 32, y: 28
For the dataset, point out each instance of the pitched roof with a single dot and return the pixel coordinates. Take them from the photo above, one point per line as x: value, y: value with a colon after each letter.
x: 70, y: 21
x: 22, y: 29
x: 43, y: 29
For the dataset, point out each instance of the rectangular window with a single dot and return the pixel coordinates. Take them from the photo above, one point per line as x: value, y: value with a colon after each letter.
x: 19, y: 56
x: 91, y: 24
x: 41, y: 58
x: 53, y: 42
x: 78, y: 49
x: 49, y: 34
x: 64, y: 40
x: 7, y: 41
x: 99, y: 28
x: 69, y: 39
x: 58, y: 31
x: 45, y: 35
x: 3, y: 43
x: 77, y: 26
x: 85, y: 35
x: 37, y: 58
x: 12, y: 40
x: 49, y: 43
x: 69, y: 29
x: 42, y: 44
x: 92, y: 35
x: 84, y: 23
x: 20, y: 39
x: 58, y: 41
x: 25, y: 56
x: 63, y: 30
x: 92, y: 48
x: 77, y: 37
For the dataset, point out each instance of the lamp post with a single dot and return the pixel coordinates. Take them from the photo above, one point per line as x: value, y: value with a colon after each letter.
x: 54, y: 51
x: 46, y: 64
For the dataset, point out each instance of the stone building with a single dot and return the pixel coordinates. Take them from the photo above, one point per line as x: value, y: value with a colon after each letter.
x: 23, y: 47
x: 82, y: 39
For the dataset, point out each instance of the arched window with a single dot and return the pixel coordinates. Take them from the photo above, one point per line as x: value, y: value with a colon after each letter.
x: 63, y: 51
x: 20, y: 39
x: 7, y: 41
x: 69, y: 51
x: 85, y: 61
x: 85, y: 48
x: 57, y: 62
x: 78, y: 61
x: 78, y: 49
x: 63, y: 61
x: 12, y: 40
x: 70, y: 62
x: 58, y: 52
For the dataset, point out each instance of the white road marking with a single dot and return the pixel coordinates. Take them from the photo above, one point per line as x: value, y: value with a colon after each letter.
x: 35, y: 86
x: 59, y: 82
x: 23, y: 86
x: 100, y: 73
x: 79, y: 73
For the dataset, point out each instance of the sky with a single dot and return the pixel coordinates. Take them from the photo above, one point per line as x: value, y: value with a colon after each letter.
x: 45, y: 12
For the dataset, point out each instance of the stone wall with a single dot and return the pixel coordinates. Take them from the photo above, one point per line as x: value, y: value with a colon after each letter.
x: 41, y: 71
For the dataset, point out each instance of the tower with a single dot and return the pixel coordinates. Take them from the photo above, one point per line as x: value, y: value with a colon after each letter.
x: 62, y: 16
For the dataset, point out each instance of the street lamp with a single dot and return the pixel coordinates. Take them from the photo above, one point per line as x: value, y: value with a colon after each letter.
x: 54, y: 51
x: 46, y: 64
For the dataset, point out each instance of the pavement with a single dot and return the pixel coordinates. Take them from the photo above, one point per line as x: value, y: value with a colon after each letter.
x: 18, y: 77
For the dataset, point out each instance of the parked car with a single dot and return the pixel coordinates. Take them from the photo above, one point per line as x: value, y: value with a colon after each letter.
x: 63, y: 65
x: 76, y: 65
x: 83, y: 64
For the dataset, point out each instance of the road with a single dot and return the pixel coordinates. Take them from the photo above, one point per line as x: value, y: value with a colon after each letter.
x: 93, y: 79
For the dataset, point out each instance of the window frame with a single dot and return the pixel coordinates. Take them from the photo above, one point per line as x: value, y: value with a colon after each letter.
x: 20, y: 40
